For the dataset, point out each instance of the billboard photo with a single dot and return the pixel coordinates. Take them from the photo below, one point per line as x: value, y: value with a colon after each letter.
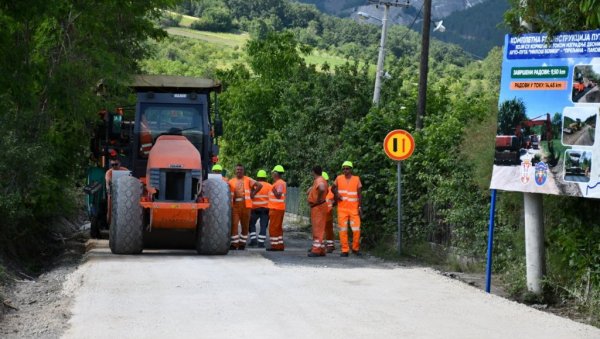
x: 547, y: 115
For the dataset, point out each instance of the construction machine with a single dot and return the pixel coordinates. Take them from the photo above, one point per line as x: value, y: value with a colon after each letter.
x: 166, y: 197
x: 545, y: 135
x: 508, y: 147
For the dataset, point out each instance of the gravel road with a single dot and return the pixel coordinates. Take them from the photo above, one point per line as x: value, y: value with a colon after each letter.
x: 579, y: 138
x: 258, y: 294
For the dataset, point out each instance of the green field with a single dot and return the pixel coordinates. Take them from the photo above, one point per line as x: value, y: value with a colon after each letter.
x: 238, y: 40
x: 233, y: 40
x: 219, y: 39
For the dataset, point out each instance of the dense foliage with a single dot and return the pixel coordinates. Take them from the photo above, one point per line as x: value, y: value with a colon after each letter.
x: 54, y: 54
x: 553, y: 16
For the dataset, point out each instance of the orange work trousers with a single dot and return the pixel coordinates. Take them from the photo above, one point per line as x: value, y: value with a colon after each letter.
x: 276, y: 229
x: 329, y: 231
x: 239, y: 214
x: 318, y: 217
x: 351, y: 217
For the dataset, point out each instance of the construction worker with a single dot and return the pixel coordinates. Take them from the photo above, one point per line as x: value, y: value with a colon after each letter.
x: 260, y: 211
x: 318, y: 211
x: 242, y: 190
x: 277, y: 209
x: 329, y: 244
x: 347, y: 190
x: 218, y: 169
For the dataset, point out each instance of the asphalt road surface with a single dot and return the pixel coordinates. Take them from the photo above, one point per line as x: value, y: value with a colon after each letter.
x: 258, y: 294
x: 579, y: 138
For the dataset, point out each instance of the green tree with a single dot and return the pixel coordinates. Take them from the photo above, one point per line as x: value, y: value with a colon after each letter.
x: 59, y: 51
x: 553, y: 16
x: 510, y: 114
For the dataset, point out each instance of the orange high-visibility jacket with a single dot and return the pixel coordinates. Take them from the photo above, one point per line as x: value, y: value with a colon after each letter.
x: 348, y: 192
x: 329, y: 197
x: 232, y: 185
x: 261, y: 199
x: 274, y: 203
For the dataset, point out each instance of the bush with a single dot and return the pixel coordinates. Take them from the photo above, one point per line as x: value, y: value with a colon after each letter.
x: 214, y: 19
x: 170, y: 20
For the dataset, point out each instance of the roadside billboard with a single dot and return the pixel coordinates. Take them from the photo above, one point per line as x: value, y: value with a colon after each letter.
x: 547, y: 138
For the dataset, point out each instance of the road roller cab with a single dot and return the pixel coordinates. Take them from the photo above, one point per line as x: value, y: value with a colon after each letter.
x: 168, y: 147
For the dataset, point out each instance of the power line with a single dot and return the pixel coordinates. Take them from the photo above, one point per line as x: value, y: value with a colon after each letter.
x: 412, y: 23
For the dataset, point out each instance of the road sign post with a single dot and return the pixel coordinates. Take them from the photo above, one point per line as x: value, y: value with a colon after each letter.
x: 399, y: 246
x: 399, y: 145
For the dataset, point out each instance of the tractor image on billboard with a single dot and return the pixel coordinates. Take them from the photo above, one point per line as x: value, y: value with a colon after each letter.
x: 161, y: 194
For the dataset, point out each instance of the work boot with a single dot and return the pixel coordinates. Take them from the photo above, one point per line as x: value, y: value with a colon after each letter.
x: 344, y: 254
x: 252, y: 243
x: 261, y: 245
x: 274, y: 249
x: 314, y: 255
x: 357, y: 253
x: 241, y: 247
x: 330, y: 249
x: 233, y: 247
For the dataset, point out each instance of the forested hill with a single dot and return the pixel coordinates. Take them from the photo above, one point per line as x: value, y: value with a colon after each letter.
x: 477, y: 29
x: 440, y: 8
x: 476, y: 26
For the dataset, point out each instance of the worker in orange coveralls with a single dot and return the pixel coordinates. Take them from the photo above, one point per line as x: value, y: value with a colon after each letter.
x: 218, y: 169
x: 318, y: 211
x: 330, y: 198
x: 277, y: 209
x: 347, y: 189
x: 242, y: 190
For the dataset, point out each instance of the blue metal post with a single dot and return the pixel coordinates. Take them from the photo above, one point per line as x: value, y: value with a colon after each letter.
x: 488, y: 267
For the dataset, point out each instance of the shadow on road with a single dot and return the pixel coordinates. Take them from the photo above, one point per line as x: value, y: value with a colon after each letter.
x: 295, y: 254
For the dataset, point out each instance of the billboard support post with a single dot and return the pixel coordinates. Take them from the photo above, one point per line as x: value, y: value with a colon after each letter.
x: 488, y: 266
x: 535, y: 257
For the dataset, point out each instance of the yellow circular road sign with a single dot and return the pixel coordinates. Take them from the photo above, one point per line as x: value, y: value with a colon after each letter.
x: 399, y: 145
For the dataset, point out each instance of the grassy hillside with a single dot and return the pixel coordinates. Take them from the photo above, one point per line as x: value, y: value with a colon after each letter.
x: 225, y: 49
x: 218, y: 39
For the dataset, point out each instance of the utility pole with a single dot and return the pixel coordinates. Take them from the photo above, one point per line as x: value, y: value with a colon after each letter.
x: 381, y: 57
x: 424, y: 66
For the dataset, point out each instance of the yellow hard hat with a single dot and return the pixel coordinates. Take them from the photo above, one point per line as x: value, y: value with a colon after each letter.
x: 217, y: 167
x: 278, y: 169
x: 325, y: 175
x: 261, y: 174
x: 347, y: 164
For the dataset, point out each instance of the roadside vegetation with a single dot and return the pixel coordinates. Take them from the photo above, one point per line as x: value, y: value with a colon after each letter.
x: 54, y: 54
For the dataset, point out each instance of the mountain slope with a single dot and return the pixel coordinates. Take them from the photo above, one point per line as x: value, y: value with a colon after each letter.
x: 440, y: 8
x: 477, y: 29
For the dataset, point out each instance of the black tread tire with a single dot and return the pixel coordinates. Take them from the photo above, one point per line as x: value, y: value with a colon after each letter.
x: 213, y: 235
x: 126, y: 229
